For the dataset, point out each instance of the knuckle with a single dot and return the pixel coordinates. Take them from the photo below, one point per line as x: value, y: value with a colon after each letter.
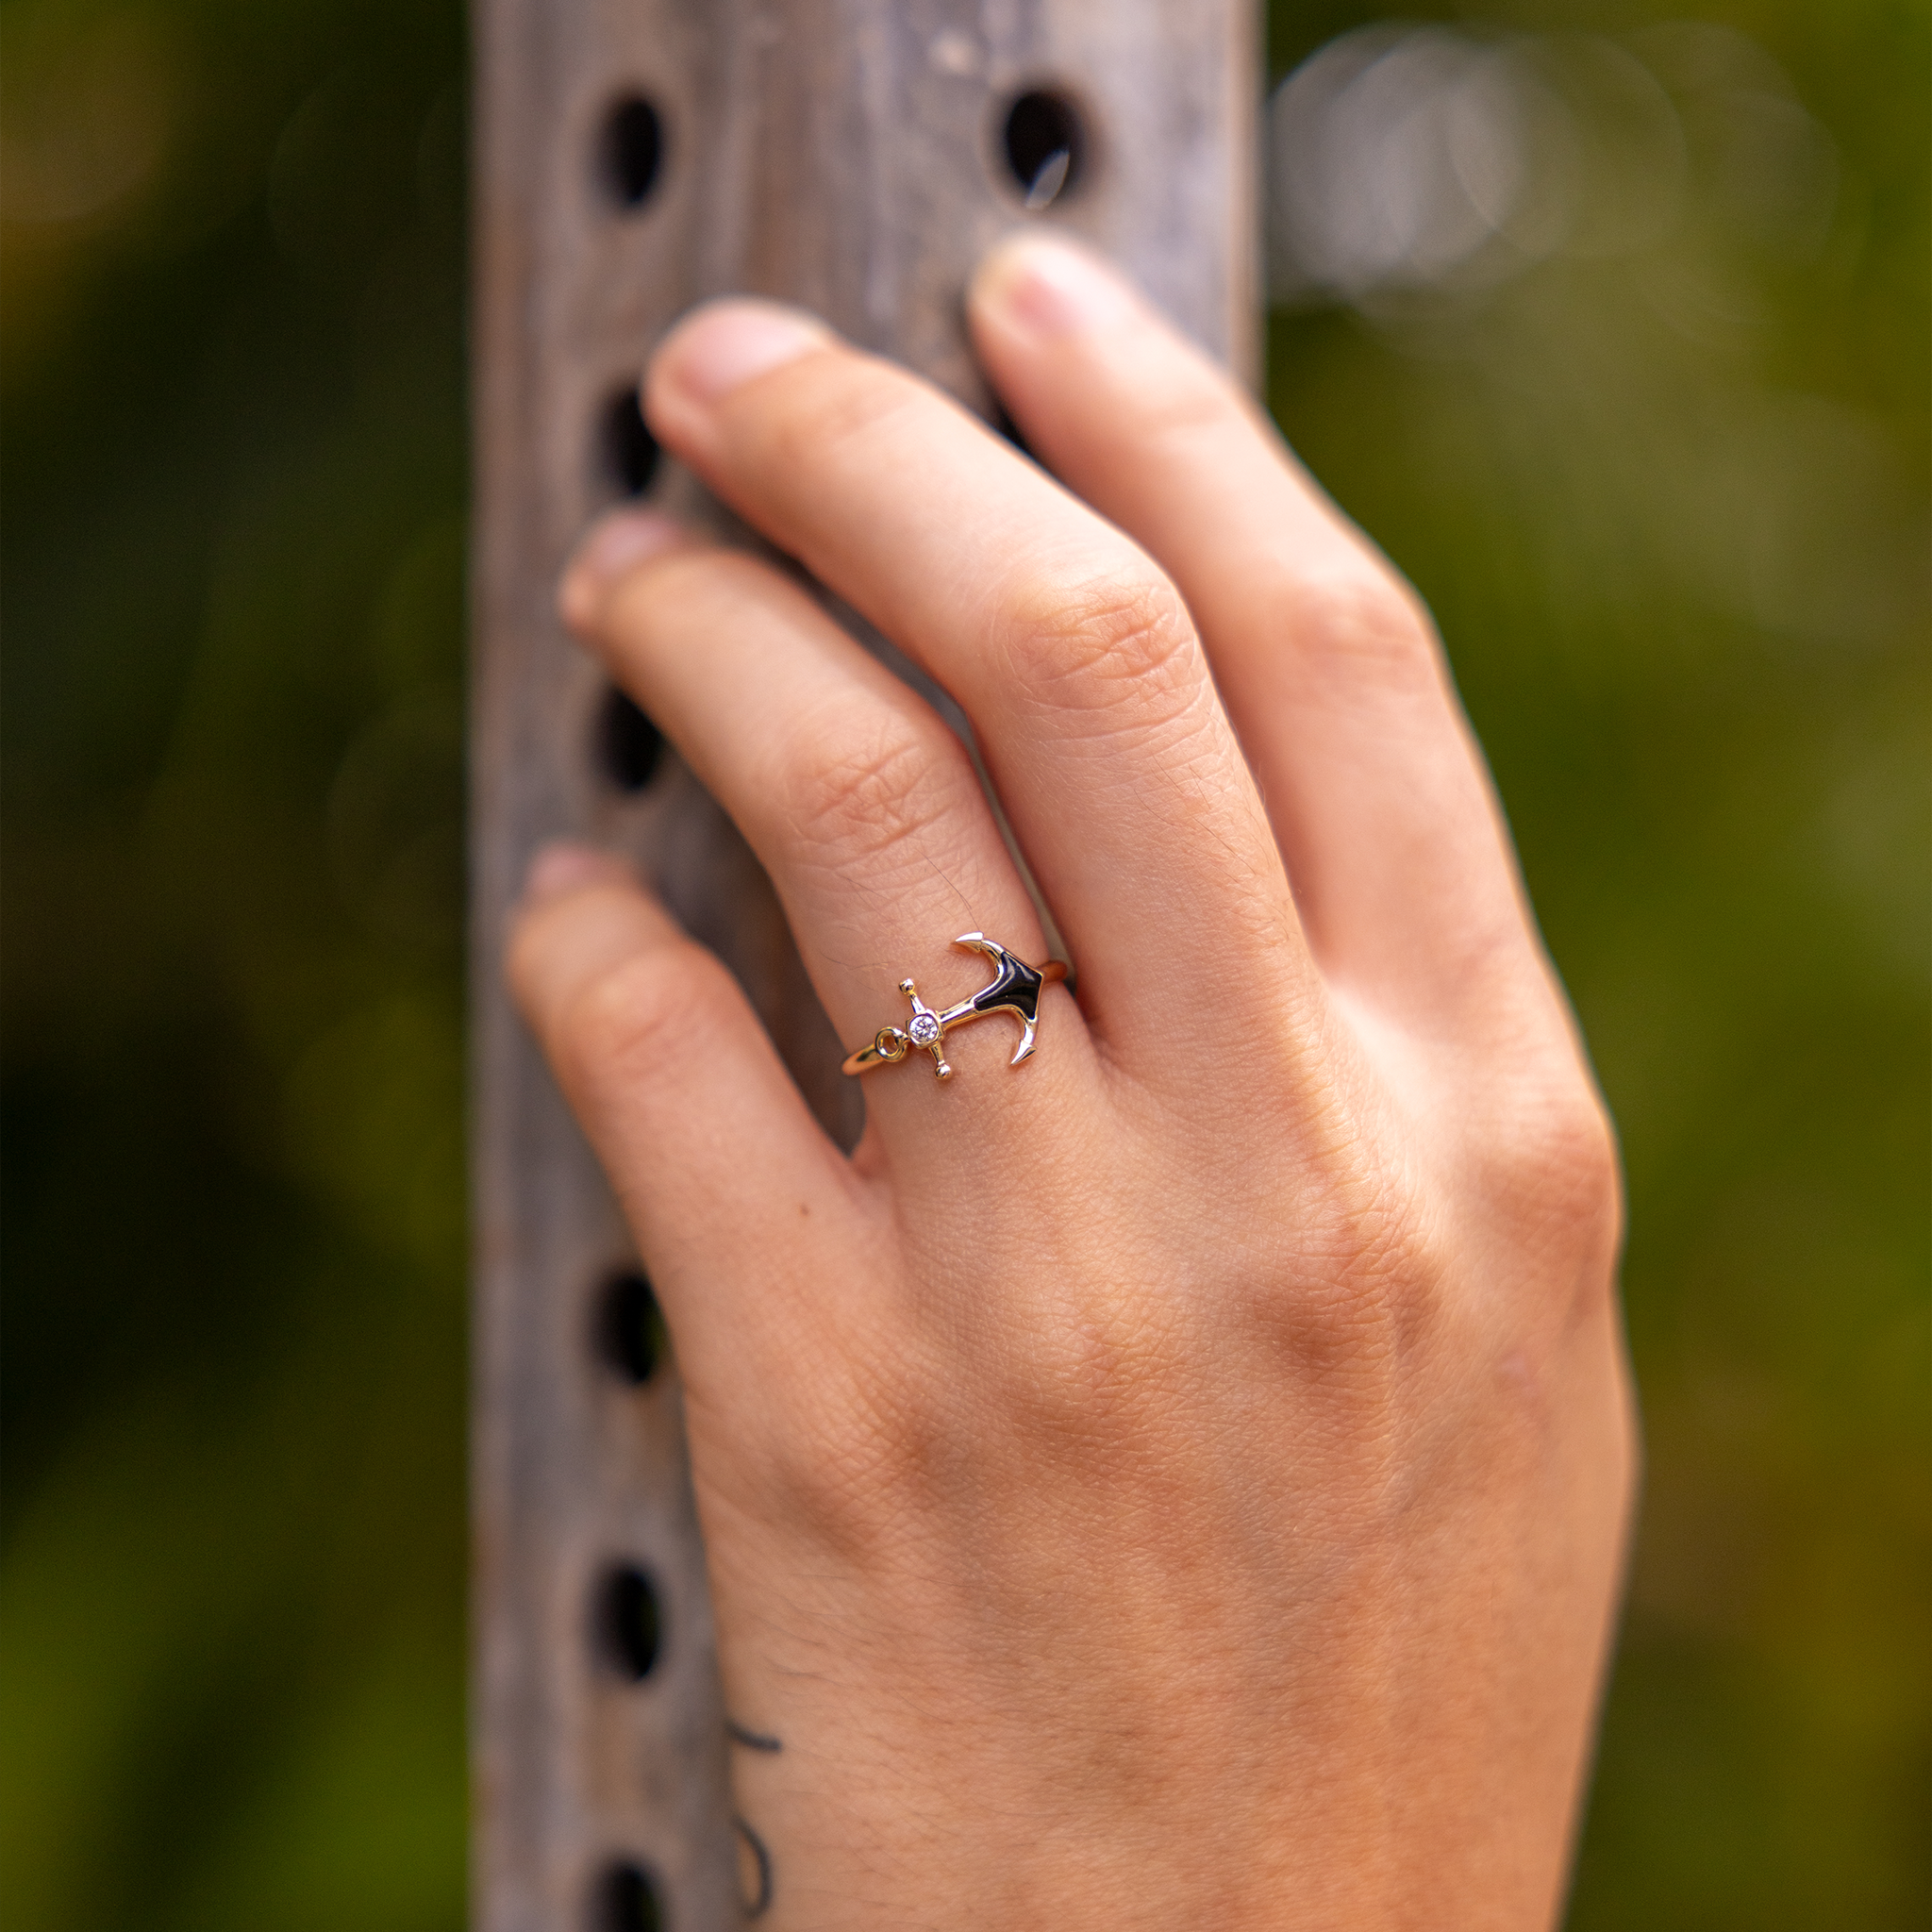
x: 835, y: 403
x: 883, y: 1434
x: 631, y: 1018
x: 1368, y: 1282
x: 1558, y: 1177
x: 1097, y: 1355
x: 1361, y: 625
x: 1192, y: 410
x: 1095, y: 640
x: 670, y: 597
x: 650, y: 591
x: 858, y: 1454
x: 711, y: 583
x: 858, y: 793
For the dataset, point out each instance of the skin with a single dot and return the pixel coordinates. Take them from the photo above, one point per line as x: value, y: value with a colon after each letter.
x: 1183, y: 1478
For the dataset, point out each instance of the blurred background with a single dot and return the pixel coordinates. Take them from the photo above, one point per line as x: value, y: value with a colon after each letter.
x: 1611, y: 326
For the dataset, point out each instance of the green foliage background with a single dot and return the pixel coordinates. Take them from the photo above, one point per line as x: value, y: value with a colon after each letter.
x: 231, y: 1592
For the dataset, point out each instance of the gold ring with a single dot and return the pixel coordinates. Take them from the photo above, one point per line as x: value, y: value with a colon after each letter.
x: 1015, y: 989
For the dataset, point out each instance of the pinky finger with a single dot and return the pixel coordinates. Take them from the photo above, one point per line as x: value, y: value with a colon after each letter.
x: 717, y: 1163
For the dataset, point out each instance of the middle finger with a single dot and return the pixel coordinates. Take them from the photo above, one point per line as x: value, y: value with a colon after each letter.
x: 1071, y: 652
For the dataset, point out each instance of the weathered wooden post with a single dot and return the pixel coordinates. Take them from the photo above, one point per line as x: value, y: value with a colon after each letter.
x: 633, y: 155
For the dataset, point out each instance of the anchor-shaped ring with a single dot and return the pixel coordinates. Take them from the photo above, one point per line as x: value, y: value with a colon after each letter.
x: 1016, y: 987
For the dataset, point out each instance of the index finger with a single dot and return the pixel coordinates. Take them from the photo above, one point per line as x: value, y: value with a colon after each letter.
x: 1072, y: 653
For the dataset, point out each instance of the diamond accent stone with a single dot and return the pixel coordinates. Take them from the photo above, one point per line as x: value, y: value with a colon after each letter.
x: 924, y: 1029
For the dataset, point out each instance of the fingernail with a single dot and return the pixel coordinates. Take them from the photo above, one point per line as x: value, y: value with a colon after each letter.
x: 616, y: 542
x: 727, y: 344
x: 565, y: 866
x: 1051, y: 287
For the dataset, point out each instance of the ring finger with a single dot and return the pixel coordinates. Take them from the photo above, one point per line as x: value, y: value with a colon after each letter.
x: 861, y: 803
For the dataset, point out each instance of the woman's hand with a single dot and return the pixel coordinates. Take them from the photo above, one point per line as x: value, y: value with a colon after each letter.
x: 1181, y: 1479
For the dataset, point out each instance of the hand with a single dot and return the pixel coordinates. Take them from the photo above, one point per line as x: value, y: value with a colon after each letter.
x: 1181, y: 1479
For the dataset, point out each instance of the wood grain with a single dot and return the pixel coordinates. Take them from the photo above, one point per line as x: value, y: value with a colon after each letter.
x: 847, y: 155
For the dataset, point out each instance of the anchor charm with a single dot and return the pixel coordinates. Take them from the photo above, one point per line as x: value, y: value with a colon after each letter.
x: 1016, y: 987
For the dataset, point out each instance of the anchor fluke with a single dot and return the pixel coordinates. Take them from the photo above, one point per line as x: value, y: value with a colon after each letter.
x: 1015, y: 989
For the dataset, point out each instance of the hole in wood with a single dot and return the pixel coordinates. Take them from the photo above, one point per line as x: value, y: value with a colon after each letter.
x: 627, y: 449
x: 754, y: 1871
x: 631, y: 1337
x: 628, y: 747
x: 1045, y: 147
x: 629, y: 1620
x: 625, y: 1899
x: 631, y: 151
